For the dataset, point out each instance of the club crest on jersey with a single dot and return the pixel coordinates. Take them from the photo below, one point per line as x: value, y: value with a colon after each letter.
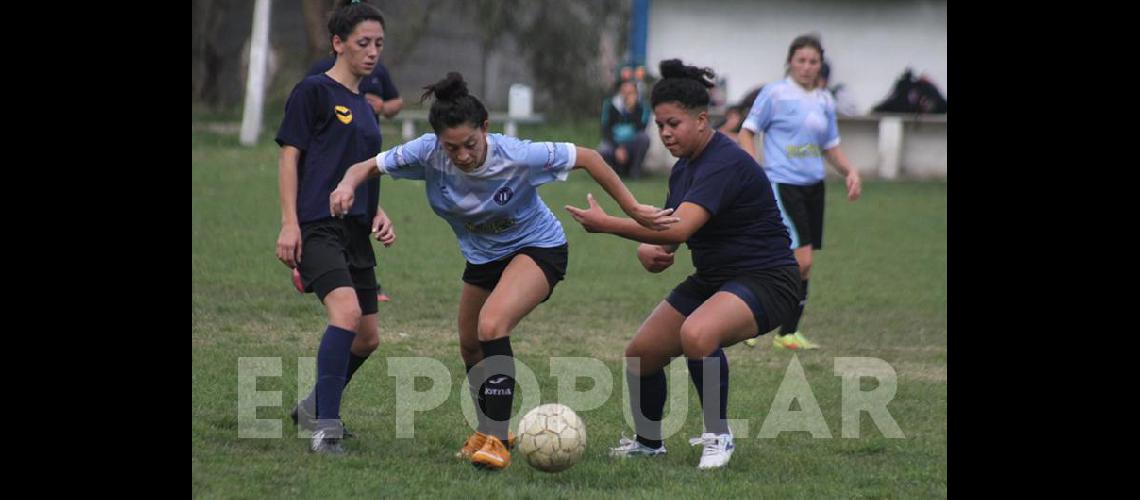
x: 503, y: 195
x: 343, y: 114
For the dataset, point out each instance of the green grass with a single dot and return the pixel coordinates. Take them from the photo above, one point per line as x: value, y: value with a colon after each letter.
x: 879, y: 290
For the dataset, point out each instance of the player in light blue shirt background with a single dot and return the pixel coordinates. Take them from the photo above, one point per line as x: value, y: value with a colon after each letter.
x: 485, y: 186
x: 797, y: 117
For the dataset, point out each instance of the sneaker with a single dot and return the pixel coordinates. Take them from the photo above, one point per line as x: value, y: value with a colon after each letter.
x: 493, y: 455
x: 476, y: 441
x: 718, y: 449
x: 326, y: 443
x: 805, y: 342
x: 305, y: 420
x: 633, y: 448
x: 793, y: 342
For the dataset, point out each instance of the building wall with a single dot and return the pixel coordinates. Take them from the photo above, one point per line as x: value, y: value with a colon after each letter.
x: 868, y: 43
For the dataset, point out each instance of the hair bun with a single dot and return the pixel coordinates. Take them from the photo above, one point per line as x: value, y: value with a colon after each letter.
x: 448, y: 89
x: 674, y: 68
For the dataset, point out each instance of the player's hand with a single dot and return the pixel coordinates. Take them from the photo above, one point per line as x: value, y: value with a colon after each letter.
x: 651, y: 217
x: 383, y: 229
x: 654, y: 258
x: 340, y: 201
x: 854, y: 185
x: 289, y: 245
x: 592, y: 218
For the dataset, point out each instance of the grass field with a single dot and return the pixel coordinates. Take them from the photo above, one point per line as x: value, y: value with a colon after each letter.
x: 878, y: 290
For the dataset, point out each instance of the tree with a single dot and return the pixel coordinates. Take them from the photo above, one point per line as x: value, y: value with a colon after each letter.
x: 206, y: 56
x: 560, y: 42
x: 316, y: 26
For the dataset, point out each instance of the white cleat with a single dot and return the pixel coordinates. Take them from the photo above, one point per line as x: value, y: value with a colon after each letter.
x: 326, y: 442
x: 632, y: 448
x: 717, y: 452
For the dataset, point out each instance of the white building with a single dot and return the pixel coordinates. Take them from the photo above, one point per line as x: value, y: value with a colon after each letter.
x: 867, y: 43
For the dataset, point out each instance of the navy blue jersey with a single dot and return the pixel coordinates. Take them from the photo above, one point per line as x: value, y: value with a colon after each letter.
x: 745, y: 231
x: 379, y: 82
x: 333, y: 127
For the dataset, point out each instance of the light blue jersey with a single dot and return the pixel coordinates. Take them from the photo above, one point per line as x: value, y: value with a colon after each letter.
x: 798, y: 126
x: 494, y: 210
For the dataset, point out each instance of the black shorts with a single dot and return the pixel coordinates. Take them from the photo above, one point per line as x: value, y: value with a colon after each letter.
x: 802, y: 210
x: 552, y: 261
x: 336, y: 253
x: 771, y: 294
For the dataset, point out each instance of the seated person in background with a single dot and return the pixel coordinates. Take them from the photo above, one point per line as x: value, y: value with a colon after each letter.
x: 624, y: 141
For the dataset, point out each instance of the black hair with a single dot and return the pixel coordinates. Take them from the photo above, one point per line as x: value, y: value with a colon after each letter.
x: 453, y: 105
x: 350, y: 13
x: 618, y: 84
x: 805, y: 41
x: 746, y: 102
x: 687, y: 85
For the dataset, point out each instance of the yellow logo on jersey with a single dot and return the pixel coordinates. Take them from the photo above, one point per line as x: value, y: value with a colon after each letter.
x: 804, y: 151
x: 343, y: 114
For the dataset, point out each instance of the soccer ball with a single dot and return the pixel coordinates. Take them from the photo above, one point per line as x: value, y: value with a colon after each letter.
x: 552, y: 437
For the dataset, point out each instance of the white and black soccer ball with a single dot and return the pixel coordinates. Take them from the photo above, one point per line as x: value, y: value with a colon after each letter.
x: 552, y: 437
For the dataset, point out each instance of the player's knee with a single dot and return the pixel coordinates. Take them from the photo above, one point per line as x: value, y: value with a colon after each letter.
x: 344, y: 311
x: 633, y: 350
x: 368, y: 330
x: 636, y: 348
x: 492, y: 328
x: 366, y: 344
x: 640, y: 360
x: 697, y: 342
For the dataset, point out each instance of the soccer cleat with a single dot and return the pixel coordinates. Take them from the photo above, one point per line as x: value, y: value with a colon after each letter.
x: 476, y: 441
x: 493, y: 455
x: 383, y: 297
x: 718, y: 449
x: 473, y: 444
x: 305, y: 420
x: 793, y: 342
x: 325, y: 442
x: 805, y: 342
x: 633, y: 448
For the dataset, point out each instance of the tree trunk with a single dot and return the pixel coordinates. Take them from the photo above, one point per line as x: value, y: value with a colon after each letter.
x: 317, y: 27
